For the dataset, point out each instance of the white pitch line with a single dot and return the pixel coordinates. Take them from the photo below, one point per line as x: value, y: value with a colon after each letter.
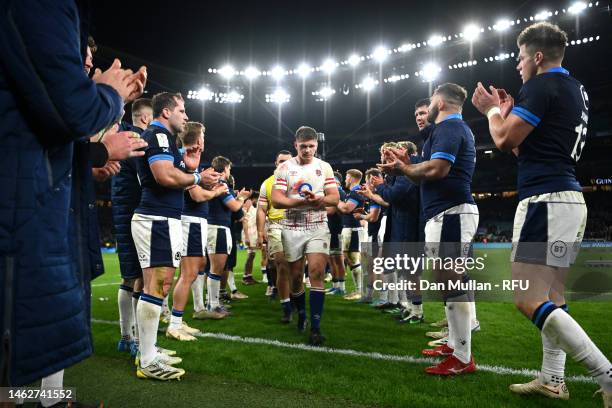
x: 96, y: 285
x: 500, y: 370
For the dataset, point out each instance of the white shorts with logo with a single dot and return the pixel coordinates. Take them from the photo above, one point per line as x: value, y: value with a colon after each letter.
x: 219, y: 240
x: 450, y: 233
x: 298, y: 243
x: 549, y: 228
x: 352, y: 238
x: 158, y: 240
x: 195, y: 233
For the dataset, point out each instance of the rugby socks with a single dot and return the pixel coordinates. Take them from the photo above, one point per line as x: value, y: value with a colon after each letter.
x: 334, y: 283
x: 451, y: 338
x: 213, y: 282
x: 459, y: 327
x: 565, y: 333
x: 553, y: 360
x: 264, y: 273
x: 231, y: 282
x: 300, y: 305
x: 393, y: 293
x: 341, y: 284
x: 317, y: 297
x: 148, y: 311
x: 50, y: 382
x: 197, y: 290
x: 135, y: 299
x: 165, y: 307
x: 126, y: 313
x: 286, y: 306
x: 417, y: 307
x: 356, y: 272
x: 176, y: 319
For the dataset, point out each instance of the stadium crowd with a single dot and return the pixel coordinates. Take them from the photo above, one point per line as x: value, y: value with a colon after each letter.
x: 170, y: 209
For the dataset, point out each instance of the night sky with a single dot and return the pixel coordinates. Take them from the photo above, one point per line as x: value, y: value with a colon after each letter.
x: 180, y: 40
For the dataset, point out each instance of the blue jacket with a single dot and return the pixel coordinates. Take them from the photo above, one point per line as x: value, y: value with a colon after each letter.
x: 403, y: 197
x: 46, y: 103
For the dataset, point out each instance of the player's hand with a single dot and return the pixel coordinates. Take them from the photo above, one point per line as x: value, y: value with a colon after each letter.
x: 483, y: 100
x: 220, y: 189
x: 506, y: 102
x: 312, y: 200
x: 121, y: 80
x: 110, y: 169
x: 210, y: 178
x: 261, y: 238
x: 244, y: 193
x: 395, y: 161
x: 139, y: 81
x: 122, y: 145
x: 191, y: 157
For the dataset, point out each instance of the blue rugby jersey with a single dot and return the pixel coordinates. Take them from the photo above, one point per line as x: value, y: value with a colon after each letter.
x: 450, y: 140
x: 557, y: 105
x: 348, y: 221
x: 156, y: 199
x: 193, y: 208
x: 218, y: 212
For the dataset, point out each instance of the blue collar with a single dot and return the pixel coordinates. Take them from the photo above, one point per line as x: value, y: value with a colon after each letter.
x: 355, y: 188
x: 560, y: 70
x: 158, y: 124
x: 452, y: 116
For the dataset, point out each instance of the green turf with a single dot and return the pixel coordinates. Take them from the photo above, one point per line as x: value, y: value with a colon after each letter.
x: 224, y: 373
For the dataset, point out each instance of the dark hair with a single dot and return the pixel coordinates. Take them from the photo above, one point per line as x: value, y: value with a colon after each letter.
x: 338, y: 175
x: 282, y: 152
x: 140, y: 104
x: 92, y: 45
x: 545, y: 37
x: 305, y: 133
x: 373, y: 172
x: 452, y: 93
x: 165, y: 100
x: 421, y: 102
x: 410, y: 147
x: 191, y: 133
x: 219, y: 163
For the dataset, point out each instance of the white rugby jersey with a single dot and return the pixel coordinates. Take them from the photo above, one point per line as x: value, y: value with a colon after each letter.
x: 293, y: 178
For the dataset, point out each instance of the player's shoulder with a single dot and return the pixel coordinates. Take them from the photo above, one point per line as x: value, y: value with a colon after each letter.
x: 323, y: 164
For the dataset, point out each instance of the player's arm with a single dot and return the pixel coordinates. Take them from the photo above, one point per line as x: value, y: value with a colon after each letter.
x: 330, y: 188
x: 434, y: 169
x: 373, y: 215
x: 346, y: 207
x: 281, y: 201
x: 200, y: 195
x: 509, y: 133
x: 235, y: 204
x: 167, y: 175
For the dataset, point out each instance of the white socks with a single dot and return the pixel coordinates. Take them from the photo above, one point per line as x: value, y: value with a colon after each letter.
x: 55, y: 380
x: 553, y: 362
x: 126, y: 313
x: 135, y: 299
x: 213, y: 284
x: 393, y: 293
x: 165, y: 309
x: 148, y: 311
x: 460, y: 333
x: 563, y: 331
x: 231, y: 282
x: 197, y: 290
x: 176, y: 320
x: 356, y: 272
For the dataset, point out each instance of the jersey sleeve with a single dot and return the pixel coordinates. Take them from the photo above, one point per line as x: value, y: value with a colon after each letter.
x: 228, y: 196
x: 328, y: 173
x: 355, y: 198
x: 446, y: 143
x: 263, y: 194
x: 533, y: 101
x: 280, y: 178
x: 158, y: 148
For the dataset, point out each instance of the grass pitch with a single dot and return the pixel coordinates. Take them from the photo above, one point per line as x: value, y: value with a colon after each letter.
x: 224, y: 373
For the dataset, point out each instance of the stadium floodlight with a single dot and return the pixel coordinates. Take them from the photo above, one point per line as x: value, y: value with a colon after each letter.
x: 232, y: 97
x: 328, y: 66
x: 326, y: 92
x: 380, y: 53
x: 251, y: 73
x: 354, y: 60
x: 303, y: 70
x: 577, y: 7
x: 368, y: 83
x: 431, y: 71
x: 502, y: 25
x: 542, y: 15
x: 279, y: 96
x: 435, y: 40
x: 227, y: 71
x: 277, y: 72
x: 471, y: 32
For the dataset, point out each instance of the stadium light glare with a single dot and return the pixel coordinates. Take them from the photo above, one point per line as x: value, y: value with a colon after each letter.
x: 431, y: 71
x: 303, y: 70
x: 435, y: 40
x: 380, y: 53
x: 542, y: 15
x: 277, y: 72
x: 204, y: 94
x: 502, y: 25
x: 251, y: 73
x: 232, y: 97
x: 279, y: 96
x: 368, y: 84
x: 471, y: 32
x: 354, y: 60
x: 227, y: 71
x: 326, y: 92
x: 577, y: 7
x: 328, y: 66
